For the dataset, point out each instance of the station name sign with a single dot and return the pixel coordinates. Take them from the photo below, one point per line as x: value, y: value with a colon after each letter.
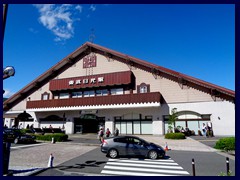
x: 86, y: 81
x: 98, y: 80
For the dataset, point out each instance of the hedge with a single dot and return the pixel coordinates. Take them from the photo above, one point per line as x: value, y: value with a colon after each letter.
x: 58, y: 137
x: 175, y: 136
x: 227, y: 144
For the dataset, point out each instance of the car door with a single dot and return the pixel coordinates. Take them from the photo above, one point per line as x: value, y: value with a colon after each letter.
x: 140, y: 147
x: 136, y: 146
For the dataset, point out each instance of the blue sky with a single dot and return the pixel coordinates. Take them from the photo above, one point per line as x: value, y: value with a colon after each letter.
x: 197, y: 40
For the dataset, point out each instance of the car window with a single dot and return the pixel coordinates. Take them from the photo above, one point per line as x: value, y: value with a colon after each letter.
x: 132, y: 140
x: 120, y: 140
x: 136, y: 141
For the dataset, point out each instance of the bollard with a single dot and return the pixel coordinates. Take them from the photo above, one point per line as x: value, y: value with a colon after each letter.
x: 53, y: 140
x: 6, y: 156
x: 193, y: 167
x: 50, y: 161
x: 227, y: 163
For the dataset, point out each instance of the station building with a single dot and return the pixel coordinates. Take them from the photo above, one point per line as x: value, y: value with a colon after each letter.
x: 95, y: 86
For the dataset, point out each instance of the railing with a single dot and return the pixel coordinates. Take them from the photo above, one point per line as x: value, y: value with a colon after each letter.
x: 97, y: 100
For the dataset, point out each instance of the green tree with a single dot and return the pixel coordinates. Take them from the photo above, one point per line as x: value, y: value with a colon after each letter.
x: 172, y: 119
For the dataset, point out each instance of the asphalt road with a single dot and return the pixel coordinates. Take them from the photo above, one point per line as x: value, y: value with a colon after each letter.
x: 95, y: 163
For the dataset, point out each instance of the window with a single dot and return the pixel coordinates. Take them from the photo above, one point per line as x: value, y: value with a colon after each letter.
x: 120, y: 140
x: 45, y: 96
x: 63, y: 95
x: 143, y: 88
x: 103, y: 92
x: 76, y: 94
x: 117, y: 91
x: 88, y: 93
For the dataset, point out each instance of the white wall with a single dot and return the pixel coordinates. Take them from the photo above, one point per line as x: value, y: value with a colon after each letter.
x: 222, y: 115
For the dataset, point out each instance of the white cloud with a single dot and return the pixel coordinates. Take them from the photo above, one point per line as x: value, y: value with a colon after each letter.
x: 93, y: 7
x: 32, y: 30
x: 79, y: 8
x: 7, y: 93
x: 58, y: 19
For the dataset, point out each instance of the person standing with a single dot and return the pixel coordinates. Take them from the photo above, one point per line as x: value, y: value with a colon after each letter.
x: 204, y: 130
x: 108, y: 132
x: 116, y: 132
x: 20, y: 126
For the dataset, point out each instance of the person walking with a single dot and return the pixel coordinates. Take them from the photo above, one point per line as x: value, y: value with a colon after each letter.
x: 100, y: 135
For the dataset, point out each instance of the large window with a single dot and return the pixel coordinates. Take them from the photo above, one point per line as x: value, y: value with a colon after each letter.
x: 76, y: 94
x: 116, y: 91
x: 103, y: 92
x: 63, y: 95
x: 89, y: 93
x: 133, y: 126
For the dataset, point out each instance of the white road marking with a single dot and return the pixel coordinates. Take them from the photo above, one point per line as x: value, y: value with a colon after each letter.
x: 145, y: 167
x: 165, y: 162
x: 145, y: 170
x: 17, y: 147
x: 133, y: 173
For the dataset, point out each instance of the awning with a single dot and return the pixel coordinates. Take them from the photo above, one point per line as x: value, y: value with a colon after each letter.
x: 100, y: 80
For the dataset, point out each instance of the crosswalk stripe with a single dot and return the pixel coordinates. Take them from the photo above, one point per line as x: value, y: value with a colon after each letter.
x: 143, y: 165
x: 133, y: 173
x: 171, y: 163
x: 146, y: 170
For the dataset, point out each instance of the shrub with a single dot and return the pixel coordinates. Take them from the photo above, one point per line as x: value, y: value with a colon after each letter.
x: 227, y: 144
x: 175, y: 136
x: 28, y: 131
x: 58, y: 137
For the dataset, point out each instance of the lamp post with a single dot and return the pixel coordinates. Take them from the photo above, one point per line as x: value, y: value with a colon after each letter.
x: 5, y: 9
x: 8, y: 72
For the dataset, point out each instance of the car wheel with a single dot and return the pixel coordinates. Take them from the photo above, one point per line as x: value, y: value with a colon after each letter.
x: 113, y: 153
x: 16, y: 141
x: 152, y: 155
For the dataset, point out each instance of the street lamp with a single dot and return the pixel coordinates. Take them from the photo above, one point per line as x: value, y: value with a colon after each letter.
x: 8, y: 72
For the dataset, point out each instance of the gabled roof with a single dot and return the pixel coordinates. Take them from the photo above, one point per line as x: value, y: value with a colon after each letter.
x: 86, y: 48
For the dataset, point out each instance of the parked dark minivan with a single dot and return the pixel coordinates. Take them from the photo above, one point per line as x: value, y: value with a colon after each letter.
x: 131, y: 146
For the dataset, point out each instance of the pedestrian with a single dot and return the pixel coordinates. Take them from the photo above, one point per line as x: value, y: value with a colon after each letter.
x: 100, y: 135
x: 108, y: 132
x: 204, y: 129
x: 116, y: 132
x: 20, y: 126
x: 210, y: 130
x: 27, y: 126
